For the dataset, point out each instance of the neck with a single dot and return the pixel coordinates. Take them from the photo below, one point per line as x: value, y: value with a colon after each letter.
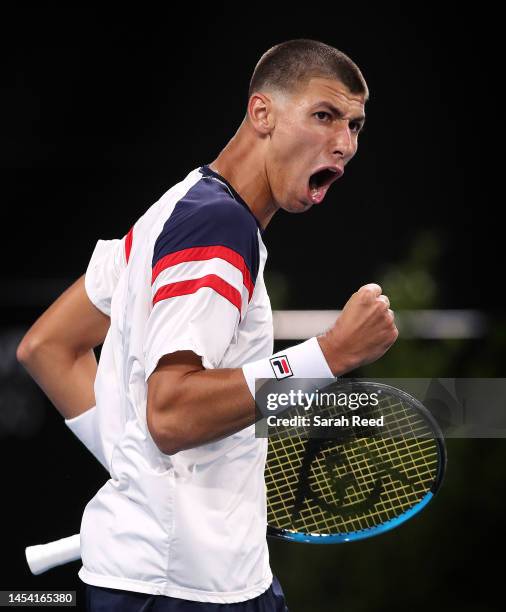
x: 242, y: 163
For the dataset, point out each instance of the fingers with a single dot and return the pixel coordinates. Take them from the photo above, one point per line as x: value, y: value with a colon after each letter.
x: 365, y: 330
x: 368, y: 293
x: 371, y: 288
x: 385, y: 300
x: 372, y: 293
x: 393, y: 331
x: 389, y: 317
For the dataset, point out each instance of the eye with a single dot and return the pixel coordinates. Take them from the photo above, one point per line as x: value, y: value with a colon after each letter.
x: 355, y: 126
x: 325, y: 114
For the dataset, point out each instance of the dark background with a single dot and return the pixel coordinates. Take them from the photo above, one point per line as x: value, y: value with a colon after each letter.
x: 102, y: 112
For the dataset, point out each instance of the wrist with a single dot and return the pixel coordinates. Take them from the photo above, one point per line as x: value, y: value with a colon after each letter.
x: 335, y: 358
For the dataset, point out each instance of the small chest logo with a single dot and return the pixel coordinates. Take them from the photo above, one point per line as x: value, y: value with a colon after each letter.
x: 281, y: 367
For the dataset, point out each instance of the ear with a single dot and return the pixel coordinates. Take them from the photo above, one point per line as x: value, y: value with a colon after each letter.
x: 261, y: 113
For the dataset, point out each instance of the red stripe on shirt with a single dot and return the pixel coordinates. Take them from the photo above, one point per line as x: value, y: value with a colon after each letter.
x: 128, y: 243
x: 191, y: 286
x: 202, y: 254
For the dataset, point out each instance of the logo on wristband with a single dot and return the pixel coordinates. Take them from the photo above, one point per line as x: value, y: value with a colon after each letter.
x: 281, y: 367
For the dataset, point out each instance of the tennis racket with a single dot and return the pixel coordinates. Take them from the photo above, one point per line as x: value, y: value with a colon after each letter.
x: 348, y: 484
x: 360, y: 482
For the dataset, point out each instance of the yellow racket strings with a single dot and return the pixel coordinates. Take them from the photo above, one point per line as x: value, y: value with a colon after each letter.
x: 354, y: 484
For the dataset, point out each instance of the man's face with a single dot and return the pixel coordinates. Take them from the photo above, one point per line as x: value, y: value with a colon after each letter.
x: 314, y: 136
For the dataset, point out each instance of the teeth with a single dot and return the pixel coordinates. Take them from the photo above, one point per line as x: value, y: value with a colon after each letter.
x: 315, y: 194
x: 333, y: 170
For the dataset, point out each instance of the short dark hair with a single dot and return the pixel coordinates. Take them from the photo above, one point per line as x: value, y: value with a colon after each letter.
x: 287, y: 66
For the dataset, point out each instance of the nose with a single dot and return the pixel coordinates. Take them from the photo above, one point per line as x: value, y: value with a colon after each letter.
x: 344, y: 144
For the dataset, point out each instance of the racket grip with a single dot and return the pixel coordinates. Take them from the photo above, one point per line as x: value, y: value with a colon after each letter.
x: 43, y: 557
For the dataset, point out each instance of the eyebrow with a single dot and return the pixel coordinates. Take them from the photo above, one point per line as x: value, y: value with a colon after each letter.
x: 339, y: 113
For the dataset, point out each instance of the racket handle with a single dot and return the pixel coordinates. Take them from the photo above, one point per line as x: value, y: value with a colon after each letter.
x: 43, y: 557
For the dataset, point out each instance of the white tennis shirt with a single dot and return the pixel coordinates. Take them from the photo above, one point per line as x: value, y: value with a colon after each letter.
x: 188, y: 276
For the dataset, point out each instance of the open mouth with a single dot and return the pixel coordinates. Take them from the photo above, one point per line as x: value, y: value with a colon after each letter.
x: 320, y: 181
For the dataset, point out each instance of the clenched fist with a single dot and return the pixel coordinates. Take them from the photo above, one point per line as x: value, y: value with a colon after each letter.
x: 363, y: 333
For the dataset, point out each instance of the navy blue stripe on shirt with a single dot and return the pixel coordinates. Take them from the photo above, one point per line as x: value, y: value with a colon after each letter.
x: 208, y: 216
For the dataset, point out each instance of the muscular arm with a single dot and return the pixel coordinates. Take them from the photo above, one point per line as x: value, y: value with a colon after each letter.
x: 58, y: 353
x: 188, y: 406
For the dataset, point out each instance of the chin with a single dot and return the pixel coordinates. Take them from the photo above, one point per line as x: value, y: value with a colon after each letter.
x: 301, y: 207
x: 295, y: 206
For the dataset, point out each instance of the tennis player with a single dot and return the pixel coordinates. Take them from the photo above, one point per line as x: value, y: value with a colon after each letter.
x: 181, y: 308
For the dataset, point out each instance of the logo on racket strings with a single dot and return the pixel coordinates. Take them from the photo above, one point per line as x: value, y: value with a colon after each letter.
x: 281, y: 367
x: 337, y: 490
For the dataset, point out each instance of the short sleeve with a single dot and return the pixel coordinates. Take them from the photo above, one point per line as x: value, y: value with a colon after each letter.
x: 205, y: 263
x: 108, y: 260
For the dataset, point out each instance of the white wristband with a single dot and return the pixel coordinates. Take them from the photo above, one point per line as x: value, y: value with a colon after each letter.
x: 304, y: 360
x: 85, y: 427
